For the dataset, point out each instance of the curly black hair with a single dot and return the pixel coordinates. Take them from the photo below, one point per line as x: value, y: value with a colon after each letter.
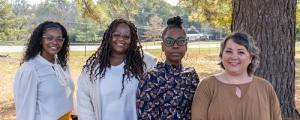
x: 100, y: 60
x: 174, y: 22
x: 34, y: 46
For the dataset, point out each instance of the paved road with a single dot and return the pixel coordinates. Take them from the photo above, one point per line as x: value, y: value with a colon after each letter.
x: 94, y: 47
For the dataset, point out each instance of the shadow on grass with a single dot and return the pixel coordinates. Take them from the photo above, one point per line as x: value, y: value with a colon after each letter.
x: 7, y: 110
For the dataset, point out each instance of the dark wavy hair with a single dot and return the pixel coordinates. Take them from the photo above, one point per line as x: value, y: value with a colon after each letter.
x: 174, y: 22
x: 247, y: 41
x: 34, y: 45
x: 97, y: 64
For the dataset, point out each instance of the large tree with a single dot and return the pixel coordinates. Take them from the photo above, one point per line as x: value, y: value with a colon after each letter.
x: 272, y: 24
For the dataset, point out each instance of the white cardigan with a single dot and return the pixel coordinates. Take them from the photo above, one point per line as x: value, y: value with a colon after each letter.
x: 88, y: 93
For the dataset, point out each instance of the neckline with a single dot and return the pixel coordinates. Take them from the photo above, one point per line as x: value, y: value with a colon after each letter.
x: 43, y: 60
x: 172, y: 69
x: 174, y: 66
x: 243, y: 84
x: 235, y: 86
x: 119, y: 65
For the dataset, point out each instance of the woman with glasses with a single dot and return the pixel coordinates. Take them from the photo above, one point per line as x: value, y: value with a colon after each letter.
x: 108, y: 82
x: 166, y: 91
x: 43, y: 89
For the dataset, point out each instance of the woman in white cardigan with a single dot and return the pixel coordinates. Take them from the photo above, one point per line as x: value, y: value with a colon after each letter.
x: 108, y: 82
x: 43, y: 87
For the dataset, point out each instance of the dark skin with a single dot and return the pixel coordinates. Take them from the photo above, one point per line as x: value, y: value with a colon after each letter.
x: 120, y: 44
x: 51, y: 47
x: 174, y: 53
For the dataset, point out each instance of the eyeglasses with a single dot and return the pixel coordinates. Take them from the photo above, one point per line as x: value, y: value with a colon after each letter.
x: 169, y: 41
x: 51, y: 38
x: 118, y: 36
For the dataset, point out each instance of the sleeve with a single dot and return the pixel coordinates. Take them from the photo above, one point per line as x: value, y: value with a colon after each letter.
x: 85, y: 108
x: 150, y: 61
x: 25, y: 92
x: 147, y: 100
x: 191, y: 88
x: 275, y: 107
x: 68, y: 72
x: 195, y: 80
x: 201, y: 101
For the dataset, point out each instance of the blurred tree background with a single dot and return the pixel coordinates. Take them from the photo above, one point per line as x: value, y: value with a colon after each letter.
x: 86, y: 20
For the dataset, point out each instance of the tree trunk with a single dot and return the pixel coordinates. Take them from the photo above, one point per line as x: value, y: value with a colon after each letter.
x: 272, y: 25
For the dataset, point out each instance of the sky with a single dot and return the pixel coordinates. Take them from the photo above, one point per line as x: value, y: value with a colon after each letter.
x: 34, y: 1
x: 172, y: 2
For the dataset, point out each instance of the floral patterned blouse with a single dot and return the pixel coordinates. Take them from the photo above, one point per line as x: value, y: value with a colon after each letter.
x: 166, y: 93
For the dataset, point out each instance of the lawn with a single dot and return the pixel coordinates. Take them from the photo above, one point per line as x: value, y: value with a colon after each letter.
x: 204, y: 60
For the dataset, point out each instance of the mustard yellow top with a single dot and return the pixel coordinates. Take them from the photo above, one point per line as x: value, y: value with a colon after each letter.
x: 67, y: 116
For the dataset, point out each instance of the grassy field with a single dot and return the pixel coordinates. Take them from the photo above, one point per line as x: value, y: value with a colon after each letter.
x: 204, y: 60
x: 191, y: 42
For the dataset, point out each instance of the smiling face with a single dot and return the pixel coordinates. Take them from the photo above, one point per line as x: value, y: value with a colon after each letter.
x: 235, y: 58
x: 52, y: 41
x: 121, y: 39
x: 174, y: 53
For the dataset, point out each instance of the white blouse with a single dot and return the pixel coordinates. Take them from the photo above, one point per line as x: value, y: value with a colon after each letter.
x: 42, y: 90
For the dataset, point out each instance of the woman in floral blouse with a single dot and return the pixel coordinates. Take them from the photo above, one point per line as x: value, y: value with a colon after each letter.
x: 166, y: 91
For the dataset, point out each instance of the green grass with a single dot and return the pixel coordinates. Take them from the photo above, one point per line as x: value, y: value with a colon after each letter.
x: 204, y: 60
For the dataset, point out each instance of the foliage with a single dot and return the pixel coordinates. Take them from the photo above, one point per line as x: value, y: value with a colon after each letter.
x: 61, y: 11
x: 298, y: 22
x: 85, y: 31
x: 155, y: 27
x: 23, y: 11
x: 150, y: 8
x: 298, y: 17
x: 8, y: 22
x: 103, y: 11
x: 214, y: 12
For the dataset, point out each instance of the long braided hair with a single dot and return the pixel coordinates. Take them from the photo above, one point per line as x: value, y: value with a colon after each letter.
x: 100, y: 60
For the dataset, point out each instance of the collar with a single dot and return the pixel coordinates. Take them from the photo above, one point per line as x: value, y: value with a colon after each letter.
x: 173, y: 69
x: 43, y: 60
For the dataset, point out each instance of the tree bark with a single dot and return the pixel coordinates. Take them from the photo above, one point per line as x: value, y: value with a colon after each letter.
x: 272, y: 25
